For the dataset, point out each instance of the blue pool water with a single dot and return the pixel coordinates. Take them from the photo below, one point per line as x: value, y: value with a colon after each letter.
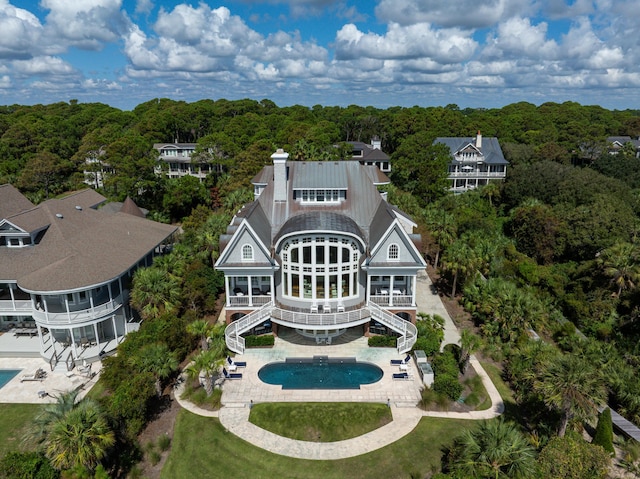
x: 7, y: 375
x: 320, y: 373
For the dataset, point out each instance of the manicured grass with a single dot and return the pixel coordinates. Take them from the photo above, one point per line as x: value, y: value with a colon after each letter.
x: 201, y: 448
x: 477, y: 398
x: 496, y: 377
x: 14, y: 422
x: 320, y: 422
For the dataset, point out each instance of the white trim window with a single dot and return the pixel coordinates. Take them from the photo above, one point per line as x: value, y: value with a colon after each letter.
x: 393, y: 252
x: 247, y: 252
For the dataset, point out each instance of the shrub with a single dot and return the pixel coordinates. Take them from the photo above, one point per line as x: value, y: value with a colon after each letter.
x: 604, y: 432
x: 448, y: 385
x: 164, y: 442
x: 154, y: 457
x: 571, y: 457
x: 445, y: 363
x: 27, y: 465
x: 382, y: 341
x: 259, y: 341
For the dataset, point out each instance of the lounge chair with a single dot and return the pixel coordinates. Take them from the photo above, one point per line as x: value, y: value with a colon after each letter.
x: 401, y: 376
x: 39, y: 375
x: 228, y: 375
x: 238, y: 364
x: 398, y: 362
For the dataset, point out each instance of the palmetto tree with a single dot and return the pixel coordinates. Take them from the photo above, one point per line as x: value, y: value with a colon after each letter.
x: 621, y: 263
x: 81, y: 438
x: 72, y: 434
x: 459, y: 259
x: 200, y: 328
x: 443, y: 229
x: 469, y: 343
x: 204, y: 366
x: 154, y: 292
x: 496, y: 449
x: 158, y: 360
x: 572, y: 385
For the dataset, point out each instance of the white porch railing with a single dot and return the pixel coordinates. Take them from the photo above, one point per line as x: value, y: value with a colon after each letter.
x: 392, y: 300
x: 44, y: 317
x: 232, y: 332
x: 408, y: 331
x: 22, y: 305
x: 248, y: 301
x: 320, y: 319
x: 477, y: 174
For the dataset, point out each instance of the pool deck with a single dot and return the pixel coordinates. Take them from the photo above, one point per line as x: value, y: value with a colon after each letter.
x: 401, y: 395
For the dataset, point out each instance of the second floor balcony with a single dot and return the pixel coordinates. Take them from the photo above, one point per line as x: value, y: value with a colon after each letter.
x: 49, y: 314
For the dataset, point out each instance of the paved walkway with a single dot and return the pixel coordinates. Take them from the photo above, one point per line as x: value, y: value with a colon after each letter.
x: 403, y: 396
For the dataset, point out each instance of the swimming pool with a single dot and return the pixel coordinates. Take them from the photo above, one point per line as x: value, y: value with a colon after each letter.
x: 7, y: 375
x: 320, y: 372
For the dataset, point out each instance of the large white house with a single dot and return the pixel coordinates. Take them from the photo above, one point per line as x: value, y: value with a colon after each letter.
x: 319, y: 250
x: 66, y: 269
x: 175, y: 160
x: 474, y: 162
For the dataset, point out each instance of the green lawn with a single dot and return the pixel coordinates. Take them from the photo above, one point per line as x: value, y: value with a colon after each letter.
x: 320, y: 422
x: 14, y: 421
x: 201, y: 448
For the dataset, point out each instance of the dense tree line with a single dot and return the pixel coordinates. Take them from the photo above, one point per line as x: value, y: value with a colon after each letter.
x: 553, y: 248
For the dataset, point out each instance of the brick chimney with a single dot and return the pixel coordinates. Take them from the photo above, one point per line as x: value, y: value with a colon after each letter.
x: 280, y: 175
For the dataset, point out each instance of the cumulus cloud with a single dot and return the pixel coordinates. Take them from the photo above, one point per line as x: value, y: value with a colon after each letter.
x: 86, y: 24
x: 414, y: 41
x: 20, y: 31
x: 462, y: 14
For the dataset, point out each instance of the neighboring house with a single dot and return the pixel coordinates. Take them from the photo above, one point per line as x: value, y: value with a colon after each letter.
x: 371, y: 154
x: 474, y: 162
x: 319, y: 250
x: 617, y: 143
x: 96, y: 170
x: 66, y: 270
x: 177, y: 161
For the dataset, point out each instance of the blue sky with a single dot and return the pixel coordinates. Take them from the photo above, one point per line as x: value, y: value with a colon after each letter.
x: 474, y: 53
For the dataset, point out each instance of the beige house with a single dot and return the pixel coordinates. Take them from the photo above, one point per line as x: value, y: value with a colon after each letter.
x: 66, y: 269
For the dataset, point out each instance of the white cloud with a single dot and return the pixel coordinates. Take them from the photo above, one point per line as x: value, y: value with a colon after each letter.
x: 5, y: 82
x: 462, y: 14
x: 517, y: 38
x: 414, y: 41
x: 20, y: 31
x: 86, y: 24
x: 44, y: 65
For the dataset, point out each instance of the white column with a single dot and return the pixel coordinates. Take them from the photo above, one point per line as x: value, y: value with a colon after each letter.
x: 367, y: 293
x: 115, y: 328
x: 250, y: 289
x: 272, y: 288
x: 66, y: 304
x: 95, y: 332
x: 413, y: 290
x: 226, y: 289
x: 391, y: 290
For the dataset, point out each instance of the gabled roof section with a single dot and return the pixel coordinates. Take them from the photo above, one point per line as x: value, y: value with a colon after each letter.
x: 396, y: 232
x: 490, y: 148
x: 12, y: 201
x: 234, y: 242
x: 376, y: 176
x: 129, y: 207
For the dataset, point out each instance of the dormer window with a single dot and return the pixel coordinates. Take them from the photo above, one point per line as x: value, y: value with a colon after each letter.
x: 321, y: 196
x: 393, y: 252
x: 15, y: 241
x: 247, y: 252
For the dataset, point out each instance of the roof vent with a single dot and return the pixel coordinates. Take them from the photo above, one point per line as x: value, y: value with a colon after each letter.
x: 59, y: 215
x: 79, y: 208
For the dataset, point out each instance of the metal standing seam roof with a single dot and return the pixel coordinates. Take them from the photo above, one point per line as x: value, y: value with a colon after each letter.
x: 490, y: 147
x: 319, y: 175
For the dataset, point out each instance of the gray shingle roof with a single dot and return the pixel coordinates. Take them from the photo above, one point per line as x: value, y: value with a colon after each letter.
x: 490, y: 148
x: 81, y: 246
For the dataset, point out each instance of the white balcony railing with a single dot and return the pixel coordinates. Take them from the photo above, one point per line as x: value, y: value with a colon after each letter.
x: 248, y: 302
x: 71, y: 317
x: 392, y: 300
x: 18, y: 306
x: 477, y: 174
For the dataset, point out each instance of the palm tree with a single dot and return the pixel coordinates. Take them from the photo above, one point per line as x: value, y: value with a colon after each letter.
x: 200, y: 328
x: 443, y: 229
x: 81, y: 438
x: 620, y: 263
x: 469, y: 343
x: 72, y: 434
x: 572, y: 385
x: 204, y: 365
x: 154, y: 292
x: 491, y: 190
x: 495, y: 449
x: 158, y: 360
x: 460, y: 261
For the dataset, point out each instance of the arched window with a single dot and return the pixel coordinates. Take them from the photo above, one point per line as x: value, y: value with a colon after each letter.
x: 393, y: 252
x: 247, y: 252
